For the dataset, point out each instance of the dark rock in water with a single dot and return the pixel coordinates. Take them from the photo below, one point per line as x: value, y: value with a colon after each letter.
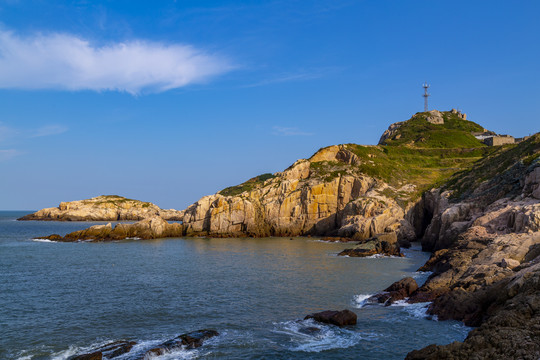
x: 110, y: 351
x: 310, y: 330
x: 339, y: 318
x: 150, y: 228
x: 385, y: 244
x: 397, y: 291
x: 190, y: 340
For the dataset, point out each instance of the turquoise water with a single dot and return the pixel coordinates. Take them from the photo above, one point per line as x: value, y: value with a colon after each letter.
x: 58, y: 299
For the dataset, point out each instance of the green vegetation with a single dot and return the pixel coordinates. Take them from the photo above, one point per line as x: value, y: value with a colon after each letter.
x: 454, y: 133
x: 246, y: 186
x: 500, y: 160
x: 115, y: 200
x: 422, y: 154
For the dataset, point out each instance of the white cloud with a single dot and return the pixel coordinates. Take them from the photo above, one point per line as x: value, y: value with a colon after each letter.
x: 289, y: 131
x: 67, y: 62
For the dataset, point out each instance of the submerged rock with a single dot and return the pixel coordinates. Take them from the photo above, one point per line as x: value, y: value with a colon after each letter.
x: 109, y: 351
x: 338, y: 318
x: 190, y: 340
x: 383, y: 244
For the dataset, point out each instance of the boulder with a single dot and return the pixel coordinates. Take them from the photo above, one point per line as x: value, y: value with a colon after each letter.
x: 397, y: 291
x: 109, y: 351
x: 190, y: 340
x: 338, y: 318
x: 384, y: 244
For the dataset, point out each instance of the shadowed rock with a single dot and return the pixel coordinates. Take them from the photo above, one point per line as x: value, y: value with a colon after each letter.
x: 338, y: 318
x: 190, y: 340
x: 397, y: 291
x: 110, y: 351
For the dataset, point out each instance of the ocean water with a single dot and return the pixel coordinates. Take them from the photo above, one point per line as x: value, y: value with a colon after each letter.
x: 59, y: 299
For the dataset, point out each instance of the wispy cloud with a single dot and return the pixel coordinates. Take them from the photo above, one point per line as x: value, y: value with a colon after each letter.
x: 303, y: 75
x: 289, y: 131
x: 8, y: 154
x: 68, y: 62
x: 9, y: 135
x: 48, y: 130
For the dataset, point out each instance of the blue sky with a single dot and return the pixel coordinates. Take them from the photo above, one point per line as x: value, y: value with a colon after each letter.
x: 168, y: 101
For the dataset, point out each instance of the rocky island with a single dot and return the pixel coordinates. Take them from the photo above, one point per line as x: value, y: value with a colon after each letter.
x: 435, y: 178
x: 103, y: 208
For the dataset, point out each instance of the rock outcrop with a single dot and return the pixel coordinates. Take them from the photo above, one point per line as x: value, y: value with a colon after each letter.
x: 338, y: 318
x: 150, y: 228
x: 399, y: 290
x: 107, y: 351
x: 384, y: 244
x: 190, y: 340
x: 485, y: 235
x: 301, y: 201
x: 103, y: 208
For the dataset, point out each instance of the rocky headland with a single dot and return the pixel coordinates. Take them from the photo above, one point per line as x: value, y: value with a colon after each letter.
x: 103, y: 208
x: 475, y: 207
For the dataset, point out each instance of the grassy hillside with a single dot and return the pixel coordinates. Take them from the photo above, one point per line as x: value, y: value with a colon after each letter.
x: 454, y: 133
x: 495, y: 164
x: 418, y: 152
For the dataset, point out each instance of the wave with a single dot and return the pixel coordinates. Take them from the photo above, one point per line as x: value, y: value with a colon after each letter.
x: 416, y: 310
x: 310, y: 336
x: 44, y: 240
x: 137, y: 352
x: 360, y: 300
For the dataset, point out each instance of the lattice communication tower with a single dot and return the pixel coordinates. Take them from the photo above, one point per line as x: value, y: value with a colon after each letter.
x: 426, y: 95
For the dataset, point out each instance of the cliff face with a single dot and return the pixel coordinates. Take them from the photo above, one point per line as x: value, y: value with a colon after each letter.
x: 103, y: 208
x: 300, y: 201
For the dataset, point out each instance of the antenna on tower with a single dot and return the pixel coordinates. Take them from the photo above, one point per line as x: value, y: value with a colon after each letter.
x: 426, y: 95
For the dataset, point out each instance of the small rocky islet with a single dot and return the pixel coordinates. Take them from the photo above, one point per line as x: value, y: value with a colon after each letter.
x: 436, y: 179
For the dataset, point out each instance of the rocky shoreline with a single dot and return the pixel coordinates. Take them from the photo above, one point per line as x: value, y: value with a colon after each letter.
x: 482, y: 224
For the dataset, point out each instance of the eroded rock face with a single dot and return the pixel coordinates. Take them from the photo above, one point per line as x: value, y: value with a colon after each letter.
x: 338, y: 318
x: 486, y: 268
x: 104, y: 208
x: 508, y: 313
x: 150, y: 228
x: 296, y: 203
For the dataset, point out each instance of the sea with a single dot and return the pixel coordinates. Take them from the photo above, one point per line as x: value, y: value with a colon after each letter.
x: 62, y: 299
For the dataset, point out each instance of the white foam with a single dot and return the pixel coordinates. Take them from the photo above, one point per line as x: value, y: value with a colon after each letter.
x: 381, y: 256
x: 361, y: 300
x: 176, y: 354
x: 44, y: 240
x: 328, y: 337
x: 65, y: 354
x: 417, y: 310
